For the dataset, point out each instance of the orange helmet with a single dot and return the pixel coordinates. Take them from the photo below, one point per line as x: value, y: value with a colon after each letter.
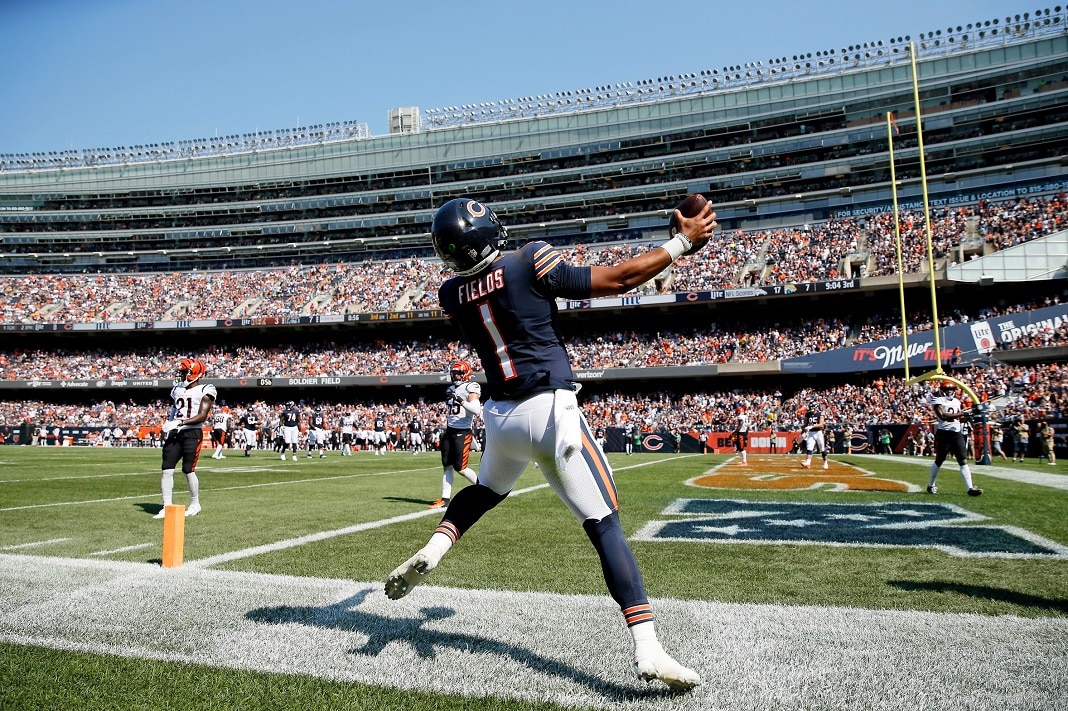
x: 191, y: 370
x: 460, y: 371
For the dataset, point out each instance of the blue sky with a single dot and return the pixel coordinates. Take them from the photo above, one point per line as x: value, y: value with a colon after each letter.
x: 107, y: 73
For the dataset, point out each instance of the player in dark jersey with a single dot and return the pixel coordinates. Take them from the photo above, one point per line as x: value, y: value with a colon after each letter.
x: 379, y: 436
x: 415, y: 434
x: 815, y: 427
x: 317, y: 432
x: 250, y: 425
x: 505, y: 307
x: 290, y: 430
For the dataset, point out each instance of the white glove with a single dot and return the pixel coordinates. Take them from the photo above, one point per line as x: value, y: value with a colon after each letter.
x: 170, y: 426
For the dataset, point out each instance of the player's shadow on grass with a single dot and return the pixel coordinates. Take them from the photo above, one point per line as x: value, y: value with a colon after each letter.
x: 982, y: 591
x: 408, y: 500
x: 383, y: 631
x: 150, y: 508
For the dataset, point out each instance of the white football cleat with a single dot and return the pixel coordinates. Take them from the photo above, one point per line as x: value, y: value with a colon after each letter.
x: 162, y: 513
x: 294, y: 457
x: 825, y: 465
x: 407, y: 575
x: 193, y: 510
x: 657, y: 664
x: 283, y: 457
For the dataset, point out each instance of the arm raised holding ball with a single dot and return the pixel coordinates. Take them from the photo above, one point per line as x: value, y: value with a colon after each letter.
x: 504, y: 304
x: 691, y: 225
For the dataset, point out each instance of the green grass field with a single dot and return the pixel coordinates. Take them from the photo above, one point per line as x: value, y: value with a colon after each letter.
x: 880, y: 600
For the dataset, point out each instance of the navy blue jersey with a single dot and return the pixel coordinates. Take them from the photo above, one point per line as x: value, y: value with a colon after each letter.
x: 508, y: 314
x: 291, y: 417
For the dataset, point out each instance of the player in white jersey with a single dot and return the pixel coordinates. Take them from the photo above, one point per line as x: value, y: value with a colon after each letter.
x: 220, y: 431
x: 741, y: 434
x: 949, y: 436
x: 348, y: 420
x: 183, y: 431
x: 462, y: 403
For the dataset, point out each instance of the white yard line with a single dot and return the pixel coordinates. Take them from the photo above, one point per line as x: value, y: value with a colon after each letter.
x: 34, y: 544
x: 324, y: 535
x: 155, y: 494
x: 1026, y: 476
x: 125, y: 549
x: 534, y: 647
x: 357, y: 528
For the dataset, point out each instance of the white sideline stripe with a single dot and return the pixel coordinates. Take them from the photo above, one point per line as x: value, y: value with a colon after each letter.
x: 324, y: 535
x: 492, y: 644
x: 34, y: 544
x: 1026, y: 476
x: 221, y: 488
x: 357, y: 528
x: 124, y: 549
x: 80, y: 477
x: 150, y: 472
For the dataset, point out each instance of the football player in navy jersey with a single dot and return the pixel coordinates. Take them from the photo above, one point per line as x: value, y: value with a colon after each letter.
x: 183, y: 432
x: 813, y: 434
x: 317, y: 432
x: 250, y: 425
x: 379, y: 437
x: 415, y: 434
x: 505, y: 307
x: 290, y: 429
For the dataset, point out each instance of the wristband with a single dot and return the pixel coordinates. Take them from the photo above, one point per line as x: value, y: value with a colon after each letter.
x: 677, y: 246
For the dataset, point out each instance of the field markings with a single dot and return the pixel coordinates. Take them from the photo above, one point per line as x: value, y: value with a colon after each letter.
x: 125, y: 549
x: 219, y: 488
x: 34, y: 544
x: 501, y: 644
x: 1048, y: 479
x: 324, y: 535
x: 533, y: 646
x: 356, y: 528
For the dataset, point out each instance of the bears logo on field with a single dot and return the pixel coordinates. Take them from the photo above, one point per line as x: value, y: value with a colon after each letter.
x: 891, y: 524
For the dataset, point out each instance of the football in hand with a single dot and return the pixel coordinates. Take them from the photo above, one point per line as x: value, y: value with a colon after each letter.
x: 690, y: 206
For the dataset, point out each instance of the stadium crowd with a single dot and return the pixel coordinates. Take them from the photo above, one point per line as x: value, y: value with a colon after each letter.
x: 1011, y: 392
x: 863, y: 246
x: 811, y: 252
x: 741, y: 341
